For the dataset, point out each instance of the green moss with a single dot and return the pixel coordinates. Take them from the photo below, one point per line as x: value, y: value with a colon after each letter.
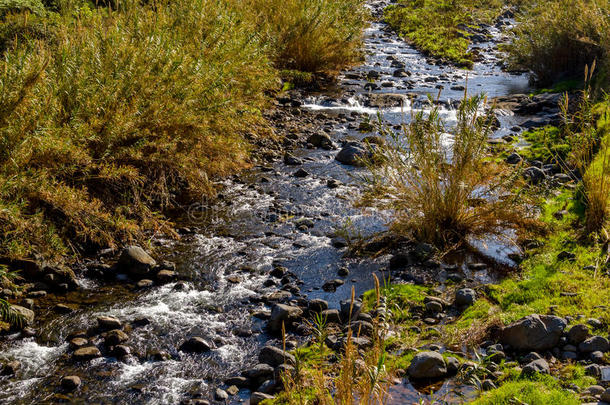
x: 545, y: 144
x: 542, y: 392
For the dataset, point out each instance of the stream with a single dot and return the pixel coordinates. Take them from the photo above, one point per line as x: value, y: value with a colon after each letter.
x: 264, y: 219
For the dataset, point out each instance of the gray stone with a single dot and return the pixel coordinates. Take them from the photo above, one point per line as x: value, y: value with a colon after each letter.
x: 317, y: 305
x: 465, y: 297
x: 434, y: 307
x: 259, y: 372
x: 135, y: 261
x: 578, y: 333
x: 594, y: 344
x: 606, y: 395
x: 70, y: 382
x: 427, y: 365
x: 258, y: 397
x: 352, y: 154
x: 196, y: 344
x: 220, y: 395
x: 537, y: 366
x: 115, y: 337
x: 274, y: 356
x: 283, y: 314
x: 534, y: 332
x: 534, y: 175
x: 27, y: 315
x: 594, y: 390
x: 320, y: 140
x: 331, y: 315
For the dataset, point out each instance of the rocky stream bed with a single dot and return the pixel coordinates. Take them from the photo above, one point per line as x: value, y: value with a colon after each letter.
x: 200, y: 323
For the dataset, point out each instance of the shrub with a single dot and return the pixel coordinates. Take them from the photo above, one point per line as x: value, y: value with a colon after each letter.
x: 557, y: 39
x: 441, y: 183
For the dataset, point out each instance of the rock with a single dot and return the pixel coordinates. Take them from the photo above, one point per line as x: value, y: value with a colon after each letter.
x: 232, y: 390
x: 331, y: 315
x: 78, y: 342
x: 120, y: 351
x: 348, y: 308
x: 317, y: 305
x: 115, y: 337
x: 386, y: 100
x: 534, y: 175
x: 195, y: 344
x: 62, y: 309
x: 594, y: 390
x: 537, y: 366
x: 258, y: 397
x: 597, y: 357
x: 220, y: 395
x: 27, y: 315
x: 237, y: 381
x: 275, y: 356
x: 434, y: 307
x: 362, y: 328
x: 10, y: 368
x: 353, y: 154
x: 513, y: 159
x: 465, y: 297
x: 144, y: 283
x: 453, y: 365
x: 343, y: 272
x: 331, y: 285
x: 301, y: 173
x: 135, y: 261
x: 86, y: 353
x: 334, y: 183
x: 283, y: 314
x: 605, y: 397
x: 108, y: 323
x: 594, y: 344
x: 578, y: 333
x: 320, y: 140
x: 593, y: 370
x: 70, y: 382
x: 534, y: 332
x: 165, y: 276
x: 292, y: 160
x: 427, y: 365
x: 260, y: 372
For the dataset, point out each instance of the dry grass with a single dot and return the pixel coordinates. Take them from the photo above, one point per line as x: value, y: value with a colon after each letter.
x: 108, y: 117
x: 360, y: 376
x: 442, y: 184
x: 557, y: 39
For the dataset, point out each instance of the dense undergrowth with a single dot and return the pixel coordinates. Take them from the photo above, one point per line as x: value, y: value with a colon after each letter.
x: 440, y: 28
x: 111, y: 114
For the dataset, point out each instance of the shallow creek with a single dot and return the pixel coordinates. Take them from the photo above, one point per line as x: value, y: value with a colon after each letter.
x: 237, y: 241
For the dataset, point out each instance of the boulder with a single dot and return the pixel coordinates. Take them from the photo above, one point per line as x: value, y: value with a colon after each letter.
x: 578, y: 333
x: 317, y: 305
x: 537, y: 366
x: 534, y: 175
x: 108, y: 323
x: 594, y: 344
x: 353, y: 154
x: 195, y: 344
x: 274, y: 356
x: 70, y: 382
x: 320, y: 140
x: 427, y: 365
x: 386, y: 100
x: 534, y: 332
x: 258, y: 397
x: 115, y: 337
x: 135, y: 261
x: 292, y: 160
x: 285, y: 314
x: 86, y: 353
x: 465, y: 297
x: 220, y: 395
x: 26, y: 315
x: 605, y: 397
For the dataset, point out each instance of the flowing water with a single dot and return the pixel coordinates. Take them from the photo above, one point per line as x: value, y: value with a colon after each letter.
x: 239, y: 238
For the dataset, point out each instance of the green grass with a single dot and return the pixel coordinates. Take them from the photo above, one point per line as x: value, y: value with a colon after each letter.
x: 529, y: 392
x: 546, y: 144
x: 436, y: 26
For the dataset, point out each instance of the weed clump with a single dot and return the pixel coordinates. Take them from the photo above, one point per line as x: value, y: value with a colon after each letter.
x: 441, y: 183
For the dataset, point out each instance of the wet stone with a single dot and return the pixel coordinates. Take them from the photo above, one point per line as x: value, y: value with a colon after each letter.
x: 196, y: 344
x: 115, y: 337
x: 86, y: 353
x: 70, y: 382
x: 108, y: 322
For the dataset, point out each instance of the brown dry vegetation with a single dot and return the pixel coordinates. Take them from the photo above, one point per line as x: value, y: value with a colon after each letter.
x: 110, y: 116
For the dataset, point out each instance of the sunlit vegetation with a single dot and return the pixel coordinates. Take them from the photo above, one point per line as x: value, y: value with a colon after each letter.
x: 111, y: 114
